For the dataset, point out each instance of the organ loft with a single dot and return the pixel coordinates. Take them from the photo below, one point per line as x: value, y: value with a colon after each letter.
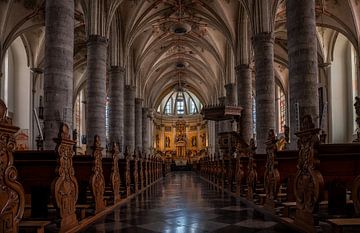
x: 179, y: 116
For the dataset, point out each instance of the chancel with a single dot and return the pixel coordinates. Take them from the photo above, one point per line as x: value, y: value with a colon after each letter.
x: 179, y: 116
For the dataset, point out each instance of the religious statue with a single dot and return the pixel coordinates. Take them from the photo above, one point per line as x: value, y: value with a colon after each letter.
x: 357, y: 111
x: 193, y: 141
x: 167, y: 142
x: 203, y: 139
x: 287, y: 133
x: 157, y: 141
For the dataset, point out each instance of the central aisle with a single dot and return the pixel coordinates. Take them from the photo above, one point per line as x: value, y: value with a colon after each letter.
x: 182, y: 202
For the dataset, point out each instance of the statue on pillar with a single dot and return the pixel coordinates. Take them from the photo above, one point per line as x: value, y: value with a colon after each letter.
x: 357, y: 111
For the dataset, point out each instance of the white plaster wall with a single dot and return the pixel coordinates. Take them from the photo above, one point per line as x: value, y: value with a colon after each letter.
x: 20, y: 99
x: 341, y: 78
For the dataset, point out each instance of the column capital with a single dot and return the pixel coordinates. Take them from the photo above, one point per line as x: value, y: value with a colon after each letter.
x: 222, y: 100
x: 263, y: 37
x: 228, y: 86
x: 324, y: 65
x: 130, y: 88
x: 241, y: 67
x: 97, y: 39
x: 117, y: 69
x: 138, y: 100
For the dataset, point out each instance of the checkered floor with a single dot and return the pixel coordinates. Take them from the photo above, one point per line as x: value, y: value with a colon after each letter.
x: 184, y: 203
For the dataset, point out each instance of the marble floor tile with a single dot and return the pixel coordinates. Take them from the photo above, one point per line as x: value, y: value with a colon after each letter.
x: 184, y: 203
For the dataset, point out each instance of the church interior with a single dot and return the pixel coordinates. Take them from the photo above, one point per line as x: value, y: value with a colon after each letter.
x: 180, y: 116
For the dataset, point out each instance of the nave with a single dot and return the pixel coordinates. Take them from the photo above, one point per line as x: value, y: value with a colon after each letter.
x: 183, y: 202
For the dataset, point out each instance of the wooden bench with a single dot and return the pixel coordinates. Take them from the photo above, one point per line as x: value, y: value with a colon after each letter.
x: 339, y: 223
x: 291, y: 205
x: 38, y: 225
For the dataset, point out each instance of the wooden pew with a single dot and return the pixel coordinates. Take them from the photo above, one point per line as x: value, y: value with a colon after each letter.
x: 12, y: 197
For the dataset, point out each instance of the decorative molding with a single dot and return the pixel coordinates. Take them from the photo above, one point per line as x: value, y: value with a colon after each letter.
x: 65, y: 187
x: 97, y: 181
x: 271, y: 174
x: 263, y: 37
x: 12, y: 201
x: 309, y: 182
x: 115, y: 174
x: 97, y: 39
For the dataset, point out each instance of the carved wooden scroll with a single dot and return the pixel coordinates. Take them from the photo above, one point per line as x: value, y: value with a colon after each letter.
x: 128, y: 176
x: 11, y: 192
x: 356, y: 194
x: 252, y: 174
x: 65, y: 186
x: 309, y: 182
x: 136, y: 174
x: 271, y: 174
x: 115, y: 174
x: 97, y: 181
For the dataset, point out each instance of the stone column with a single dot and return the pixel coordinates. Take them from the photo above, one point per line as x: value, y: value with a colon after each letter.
x: 129, y: 118
x: 162, y: 138
x: 96, y: 89
x: 58, y: 72
x: 222, y: 124
x: 116, y: 106
x: 216, y: 132
x: 198, y: 138
x: 138, y: 124
x: 145, y: 131
x: 230, y: 94
x: 244, y: 91
x: 303, y: 62
x: 230, y: 101
x: 263, y: 44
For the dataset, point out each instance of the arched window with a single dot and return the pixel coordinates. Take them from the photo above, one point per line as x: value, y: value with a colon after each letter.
x: 280, y: 101
x: 180, y: 102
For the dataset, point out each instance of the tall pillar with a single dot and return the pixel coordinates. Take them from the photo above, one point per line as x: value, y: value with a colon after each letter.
x: 162, y: 138
x: 96, y: 89
x: 230, y: 101
x: 244, y: 90
x: 216, y: 132
x: 116, y: 106
x: 198, y: 138
x: 263, y: 44
x: 138, y: 124
x: 303, y: 62
x: 230, y: 94
x: 129, y: 118
x: 58, y: 72
x: 222, y: 124
x: 145, y: 131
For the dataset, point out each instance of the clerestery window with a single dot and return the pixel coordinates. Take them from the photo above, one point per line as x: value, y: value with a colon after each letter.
x: 180, y: 102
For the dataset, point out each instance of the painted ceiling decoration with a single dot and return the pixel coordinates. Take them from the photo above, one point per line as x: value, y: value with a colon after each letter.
x: 154, y: 40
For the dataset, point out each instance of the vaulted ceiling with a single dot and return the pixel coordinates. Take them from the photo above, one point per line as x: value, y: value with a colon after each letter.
x: 164, y: 42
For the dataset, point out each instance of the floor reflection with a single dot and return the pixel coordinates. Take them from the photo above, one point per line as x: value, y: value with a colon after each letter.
x: 184, y: 203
